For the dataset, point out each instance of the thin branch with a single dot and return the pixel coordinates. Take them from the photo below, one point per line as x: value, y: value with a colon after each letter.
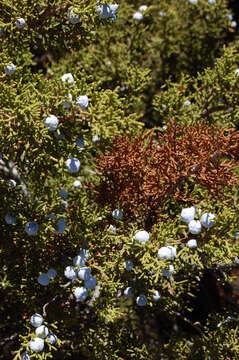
x: 197, y: 326
x: 8, y: 338
x: 48, y: 303
x: 9, y: 171
x: 227, y: 320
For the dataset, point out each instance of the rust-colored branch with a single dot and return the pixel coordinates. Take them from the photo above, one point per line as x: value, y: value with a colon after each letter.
x: 141, y: 174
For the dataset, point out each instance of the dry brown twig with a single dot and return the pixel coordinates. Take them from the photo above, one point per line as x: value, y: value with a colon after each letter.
x: 142, y: 174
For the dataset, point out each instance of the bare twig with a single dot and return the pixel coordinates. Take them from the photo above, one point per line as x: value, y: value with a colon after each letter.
x: 8, y: 338
x: 197, y: 326
x: 9, y: 171
x: 48, y: 303
x: 227, y: 320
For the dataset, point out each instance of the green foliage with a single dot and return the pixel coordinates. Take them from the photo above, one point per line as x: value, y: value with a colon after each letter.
x: 136, y: 75
x: 212, y: 95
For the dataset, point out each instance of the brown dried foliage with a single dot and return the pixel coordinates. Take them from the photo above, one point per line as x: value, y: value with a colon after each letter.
x: 142, y: 174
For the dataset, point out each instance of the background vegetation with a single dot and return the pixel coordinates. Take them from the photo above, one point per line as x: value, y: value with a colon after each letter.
x: 159, y: 134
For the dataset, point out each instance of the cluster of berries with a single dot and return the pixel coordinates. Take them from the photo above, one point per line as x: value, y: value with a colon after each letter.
x: 42, y: 335
x: 107, y: 11
x: 195, y: 226
x: 78, y: 271
x: 166, y: 252
x: 138, y: 15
